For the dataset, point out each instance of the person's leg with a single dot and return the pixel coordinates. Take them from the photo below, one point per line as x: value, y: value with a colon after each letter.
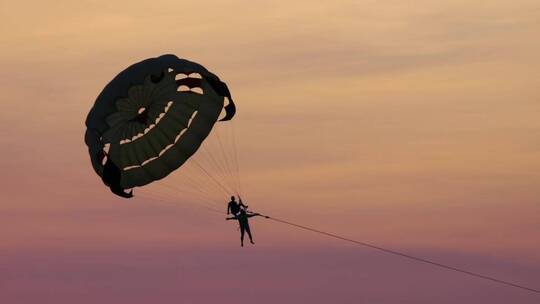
x: 249, y: 234
x: 242, y: 235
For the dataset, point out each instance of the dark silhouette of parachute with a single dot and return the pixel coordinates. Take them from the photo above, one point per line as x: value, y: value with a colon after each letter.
x: 151, y: 118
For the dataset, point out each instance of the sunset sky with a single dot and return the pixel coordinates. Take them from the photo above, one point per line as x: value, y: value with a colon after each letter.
x: 410, y: 125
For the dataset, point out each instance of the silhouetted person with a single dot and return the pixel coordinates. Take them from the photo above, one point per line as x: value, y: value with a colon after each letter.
x: 242, y: 218
x: 234, y: 207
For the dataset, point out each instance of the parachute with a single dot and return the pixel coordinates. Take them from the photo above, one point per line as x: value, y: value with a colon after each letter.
x: 151, y: 118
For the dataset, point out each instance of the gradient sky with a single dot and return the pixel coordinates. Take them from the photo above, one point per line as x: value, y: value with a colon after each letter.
x: 414, y: 126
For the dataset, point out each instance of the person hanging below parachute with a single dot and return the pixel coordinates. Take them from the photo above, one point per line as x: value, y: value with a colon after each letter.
x: 151, y: 118
x: 242, y: 215
x: 234, y: 207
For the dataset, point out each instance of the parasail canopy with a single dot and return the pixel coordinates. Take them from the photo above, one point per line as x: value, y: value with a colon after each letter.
x: 151, y: 118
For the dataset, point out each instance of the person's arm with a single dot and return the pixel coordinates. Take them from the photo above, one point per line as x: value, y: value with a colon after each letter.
x: 242, y: 204
x: 228, y: 209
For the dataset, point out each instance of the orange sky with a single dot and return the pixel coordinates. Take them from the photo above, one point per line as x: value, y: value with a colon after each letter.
x: 413, y: 126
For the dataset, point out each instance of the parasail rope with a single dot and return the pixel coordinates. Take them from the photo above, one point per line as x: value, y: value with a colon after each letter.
x: 408, y: 256
x: 221, y: 185
x: 235, y: 153
x: 220, y: 171
x: 226, y: 159
x: 154, y: 197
